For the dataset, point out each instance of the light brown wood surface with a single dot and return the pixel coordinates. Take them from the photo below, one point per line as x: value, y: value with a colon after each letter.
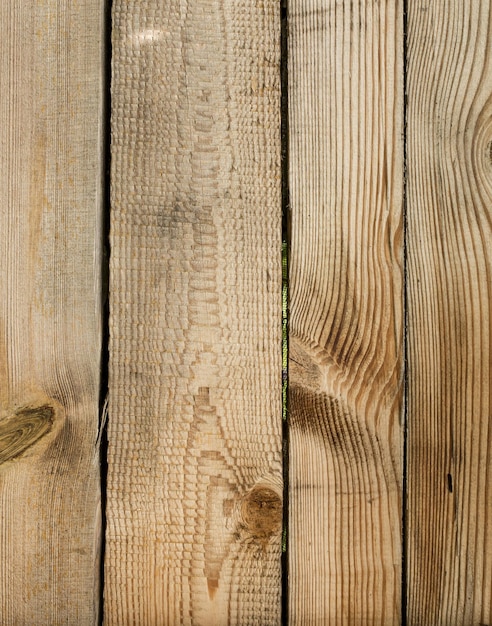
x: 346, y: 310
x: 449, y: 318
x: 194, y: 483
x: 50, y: 326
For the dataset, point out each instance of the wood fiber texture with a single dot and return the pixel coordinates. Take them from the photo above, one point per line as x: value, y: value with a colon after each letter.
x: 346, y: 310
x: 194, y: 482
x: 449, y: 318
x: 50, y: 305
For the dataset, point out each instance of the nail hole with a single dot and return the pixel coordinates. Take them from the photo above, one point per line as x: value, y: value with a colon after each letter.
x: 450, y: 483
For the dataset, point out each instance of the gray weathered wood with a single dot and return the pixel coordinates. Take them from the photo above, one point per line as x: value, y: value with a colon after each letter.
x: 50, y: 323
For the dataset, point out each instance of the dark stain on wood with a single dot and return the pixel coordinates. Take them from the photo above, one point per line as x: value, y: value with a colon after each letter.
x: 330, y: 422
x: 212, y: 586
x: 23, y: 430
x: 66, y: 451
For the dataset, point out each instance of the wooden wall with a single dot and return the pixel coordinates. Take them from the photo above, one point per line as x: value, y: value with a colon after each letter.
x: 379, y: 187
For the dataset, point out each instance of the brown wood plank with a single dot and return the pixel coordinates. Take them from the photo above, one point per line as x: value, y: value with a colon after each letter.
x: 449, y: 320
x: 346, y: 170
x: 50, y: 313
x: 194, y: 482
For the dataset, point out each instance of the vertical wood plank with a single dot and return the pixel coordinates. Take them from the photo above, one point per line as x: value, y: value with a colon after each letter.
x: 449, y: 320
x: 50, y: 313
x: 346, y: 170
x: 194, y: 481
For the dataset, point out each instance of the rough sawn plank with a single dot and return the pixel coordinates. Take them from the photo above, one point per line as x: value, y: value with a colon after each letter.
x: 194, y: 483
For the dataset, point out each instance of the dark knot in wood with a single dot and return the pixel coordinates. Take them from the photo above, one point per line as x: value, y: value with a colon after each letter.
x: 23, y: 429
x: 261, y: 511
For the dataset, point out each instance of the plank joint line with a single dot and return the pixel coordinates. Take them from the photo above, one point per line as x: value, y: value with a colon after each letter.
x: 404, y: 520
x: 105, y: 246
x: 284, y: 116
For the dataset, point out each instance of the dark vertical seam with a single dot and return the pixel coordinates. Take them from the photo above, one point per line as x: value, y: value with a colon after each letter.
x: 105, y: 246
x: 404, y: 560
x: 284, y: 133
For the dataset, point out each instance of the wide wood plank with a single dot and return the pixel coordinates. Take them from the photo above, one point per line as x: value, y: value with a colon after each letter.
x: 194, y: 481
x: 346, y: 171
x: 449, y: 319
x: 50, y: 313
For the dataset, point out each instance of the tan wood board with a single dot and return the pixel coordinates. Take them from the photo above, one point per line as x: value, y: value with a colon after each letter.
x: 50, y: 310
x: 449, y: 318
x: 346, y: 310
x: 194, y: 482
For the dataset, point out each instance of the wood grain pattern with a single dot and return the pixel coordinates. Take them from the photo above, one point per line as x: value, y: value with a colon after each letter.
x: 449, y: 320
x: 194, y: 482
x: 50, y: 326
x: 346, y: 170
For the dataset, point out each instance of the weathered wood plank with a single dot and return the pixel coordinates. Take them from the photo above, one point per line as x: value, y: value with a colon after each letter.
x: 449, y: 320
x: 194, y: 481
x: 50, y: 322
x: 346, y: 171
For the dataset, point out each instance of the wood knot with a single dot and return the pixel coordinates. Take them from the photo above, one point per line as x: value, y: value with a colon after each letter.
x: 261, y: 512
x: 23, y: 429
